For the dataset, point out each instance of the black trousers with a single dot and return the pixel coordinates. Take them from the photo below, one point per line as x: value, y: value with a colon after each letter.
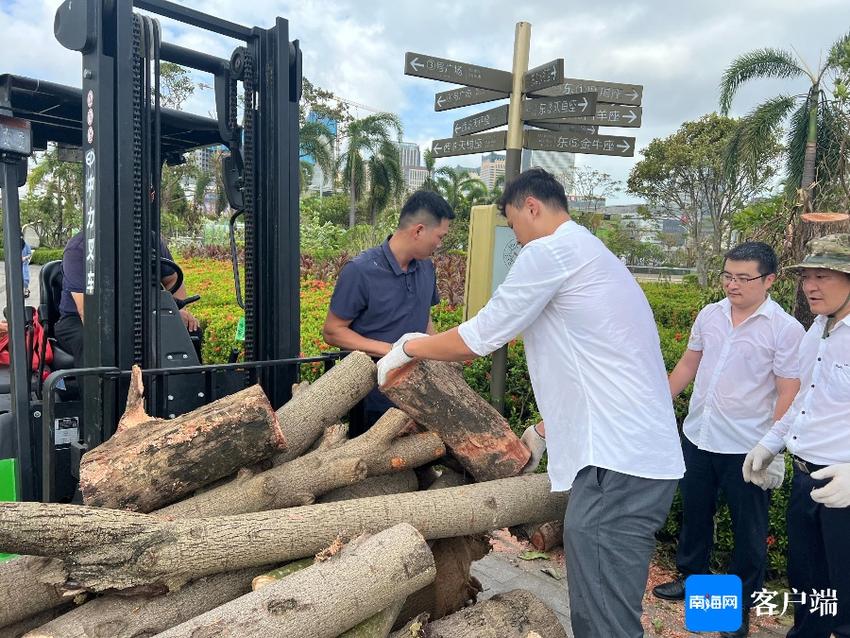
x: 707, y: 474
x: 69, y: 335
x: 818, y: 559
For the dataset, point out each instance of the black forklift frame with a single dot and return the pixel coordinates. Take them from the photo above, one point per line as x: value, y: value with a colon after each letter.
x: 267, y: 188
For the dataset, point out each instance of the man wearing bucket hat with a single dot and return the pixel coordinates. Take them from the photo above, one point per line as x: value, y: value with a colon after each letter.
x: 816, y: 431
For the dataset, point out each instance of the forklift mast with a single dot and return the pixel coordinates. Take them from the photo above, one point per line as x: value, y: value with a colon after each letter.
x: 126, y: 136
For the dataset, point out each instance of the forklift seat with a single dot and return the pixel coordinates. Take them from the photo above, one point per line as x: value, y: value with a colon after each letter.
x: 50, y: 287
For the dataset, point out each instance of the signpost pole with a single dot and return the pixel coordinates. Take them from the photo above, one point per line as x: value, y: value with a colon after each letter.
x: 513, y: 161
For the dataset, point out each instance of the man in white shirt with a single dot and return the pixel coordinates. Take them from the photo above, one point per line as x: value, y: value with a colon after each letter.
x: 743, y: 354
x: 816, y: 431
x: 595, y: 364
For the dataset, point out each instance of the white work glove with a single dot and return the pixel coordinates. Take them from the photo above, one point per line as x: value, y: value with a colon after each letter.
x: 407, y: 337
x: 755, y: 465
x: 393, y: 360
x: 773, y: 474
x: 836, y: 493
x: 536, y: 444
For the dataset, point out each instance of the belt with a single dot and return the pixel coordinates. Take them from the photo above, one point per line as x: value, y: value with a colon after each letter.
x: 804, y: 466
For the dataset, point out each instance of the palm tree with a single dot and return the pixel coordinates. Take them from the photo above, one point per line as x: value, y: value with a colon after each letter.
x: 451, y: 183
x: 386, y: 179
x: 315, y: 141
x: 428, y: 157
x: 366, y: 136
x: 814, y: 133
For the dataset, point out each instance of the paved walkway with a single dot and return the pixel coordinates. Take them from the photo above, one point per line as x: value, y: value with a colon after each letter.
x: 502, y: 571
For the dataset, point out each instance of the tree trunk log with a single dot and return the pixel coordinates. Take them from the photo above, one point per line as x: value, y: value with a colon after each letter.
x: 114, y: 549
x: 378, y: 626
x: 300, y: 481
x: 30, y: 585
x: 437, y: 397
x: 305, y: 416
x: 22, y: 627
x: 147, y: 464
x: 133, y: 616
x: 548, y: 535
x: 375, y: 486
x: 328, y: 598
x: 513, y: 614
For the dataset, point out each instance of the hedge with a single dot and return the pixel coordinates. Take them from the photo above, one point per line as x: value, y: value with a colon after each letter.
x: 40, y: 256
x: 674, y: 305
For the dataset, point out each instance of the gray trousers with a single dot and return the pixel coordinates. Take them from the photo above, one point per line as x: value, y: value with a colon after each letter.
x: 609, y: 538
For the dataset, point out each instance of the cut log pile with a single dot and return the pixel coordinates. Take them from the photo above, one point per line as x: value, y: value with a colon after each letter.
x: 340, y: 537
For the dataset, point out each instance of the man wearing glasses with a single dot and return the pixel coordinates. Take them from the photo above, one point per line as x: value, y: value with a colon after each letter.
x: 816, y: 431
x: 743, y: 354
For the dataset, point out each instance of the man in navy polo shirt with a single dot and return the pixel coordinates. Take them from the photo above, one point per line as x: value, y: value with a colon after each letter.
x: 387, y: 291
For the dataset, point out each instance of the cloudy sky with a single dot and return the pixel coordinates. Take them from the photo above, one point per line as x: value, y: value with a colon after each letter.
x: 676, y: 49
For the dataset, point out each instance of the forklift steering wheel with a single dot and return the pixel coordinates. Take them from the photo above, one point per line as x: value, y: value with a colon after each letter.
x: 177, y: 269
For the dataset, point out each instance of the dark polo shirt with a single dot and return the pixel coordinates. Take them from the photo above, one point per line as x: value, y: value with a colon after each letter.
x: 383, y: 301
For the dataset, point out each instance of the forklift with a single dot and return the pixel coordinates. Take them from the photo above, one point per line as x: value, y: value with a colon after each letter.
x: 124, y: 137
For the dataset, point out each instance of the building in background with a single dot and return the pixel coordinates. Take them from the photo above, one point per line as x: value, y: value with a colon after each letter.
x: 651, y: 226
x: 414, y: 177
x: 561, y: 165
x: 410, y: 162
x: 409, y: 154
x: 492, y: 167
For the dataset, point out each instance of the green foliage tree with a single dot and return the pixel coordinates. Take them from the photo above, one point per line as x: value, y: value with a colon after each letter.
x: 54, y: 200
x: 683, y: 175
x: 366, y: 137
x: 428, y: 158
x: 386, y: 180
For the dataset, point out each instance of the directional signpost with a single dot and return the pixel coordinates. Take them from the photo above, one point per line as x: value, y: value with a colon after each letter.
x: 580, y: 143
x: 428, y: 66
x: 569, y: 110
x: 608, y: 92
x: 466, y: 144
x: 543, y: 76
x: 484, y: 121
x: 465, y: 96
x: 550, y: 108
x: 606, y: 115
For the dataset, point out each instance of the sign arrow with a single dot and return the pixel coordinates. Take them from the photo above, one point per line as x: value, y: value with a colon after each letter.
x: 429, y: 66
x: 543, y: 76
x: 483, y: 121
x: 569, y: 142
x: 606, y: 92
x: 631, y: 117
x: 467, y: 144
x: 605, y: 115
x: 465, y: 96
x: 550, y: 108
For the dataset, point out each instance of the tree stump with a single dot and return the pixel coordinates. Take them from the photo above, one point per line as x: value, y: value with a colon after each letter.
x: 329, y: 597
x: 148, y: 462
x: 513, y: 614
x: 106, y: 549
x: 436, y: 396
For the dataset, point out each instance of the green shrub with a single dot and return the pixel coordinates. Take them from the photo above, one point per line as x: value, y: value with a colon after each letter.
x: 40, y: 256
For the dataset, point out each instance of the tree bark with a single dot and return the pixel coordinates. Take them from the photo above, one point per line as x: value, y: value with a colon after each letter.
x: 328, y: 598
x: 513, y: 614
x: 114, y: 549
x: 300, y: 481
x: 133, y: 616
x: 149, y: 463
x: 548, y: 535
x: 378, y: 626
x: 323, y: 403
x: 30, y: 585
x: 375, y: 486
x: 436, y: 396
x: 22, y: 627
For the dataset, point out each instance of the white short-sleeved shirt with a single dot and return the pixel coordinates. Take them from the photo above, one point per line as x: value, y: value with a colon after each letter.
x: 593, y: 353
x: 734, y: 393
x: 817, y: 425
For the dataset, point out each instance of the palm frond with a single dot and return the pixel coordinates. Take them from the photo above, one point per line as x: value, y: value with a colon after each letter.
x: 755, y: 136
x: 761, y: 63
x: 837, y: 51
x: 795, y: 147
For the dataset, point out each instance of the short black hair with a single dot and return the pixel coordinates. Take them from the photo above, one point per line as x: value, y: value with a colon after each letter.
x: 432, y: 204
x: 535, y: 182
x: 756, y: 251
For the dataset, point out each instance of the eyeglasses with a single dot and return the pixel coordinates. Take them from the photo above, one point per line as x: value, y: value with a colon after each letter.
x: 728, y: 278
